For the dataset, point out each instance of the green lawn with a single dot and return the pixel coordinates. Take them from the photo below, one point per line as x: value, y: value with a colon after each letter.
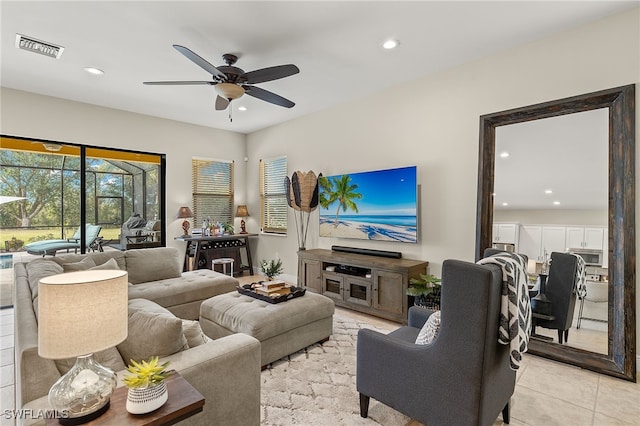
x: 28, y: 235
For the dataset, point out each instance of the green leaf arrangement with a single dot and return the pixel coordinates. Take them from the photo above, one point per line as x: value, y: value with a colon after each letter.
x: 423, y: 286
x: 145, y: 373
x: 271, y: 268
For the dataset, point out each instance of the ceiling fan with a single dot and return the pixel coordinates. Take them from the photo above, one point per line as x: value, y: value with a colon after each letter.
x: 231, y: 82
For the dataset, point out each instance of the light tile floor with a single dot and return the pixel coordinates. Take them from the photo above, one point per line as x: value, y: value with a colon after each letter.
x: 547, y: 392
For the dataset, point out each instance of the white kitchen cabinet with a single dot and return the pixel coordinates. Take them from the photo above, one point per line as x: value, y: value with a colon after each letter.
x: 553, y: 239
x: 530, y: 242
x: 585, y: 238
x: 505, y: 233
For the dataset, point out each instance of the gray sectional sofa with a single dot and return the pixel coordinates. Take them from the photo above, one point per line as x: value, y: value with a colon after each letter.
x: 225, y: 371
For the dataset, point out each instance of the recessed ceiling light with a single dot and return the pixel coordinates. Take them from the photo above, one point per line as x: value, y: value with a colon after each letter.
x: 505, y: 204
x: 94, y: 71
x: 504, y: 154
x: 390, y: 44
x: 556, y: 203
x: 242, y: 108
x: 548, y: 191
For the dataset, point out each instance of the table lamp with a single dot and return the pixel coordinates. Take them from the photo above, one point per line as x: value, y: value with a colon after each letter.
x: 80, y: 313
x: 242, y: 212
x: 184, y: 213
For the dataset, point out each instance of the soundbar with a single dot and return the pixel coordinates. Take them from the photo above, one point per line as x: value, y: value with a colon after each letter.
x: 370, y: 252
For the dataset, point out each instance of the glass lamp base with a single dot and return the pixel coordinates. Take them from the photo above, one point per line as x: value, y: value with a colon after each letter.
x: 83, y: 393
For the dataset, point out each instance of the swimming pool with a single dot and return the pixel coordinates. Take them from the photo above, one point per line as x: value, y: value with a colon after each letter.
x: 6, y: 261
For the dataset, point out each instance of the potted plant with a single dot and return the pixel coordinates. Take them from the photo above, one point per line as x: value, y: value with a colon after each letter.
x: 271, y: 268
x: 420, y: 288
x: 228, y: 229
x: 147, y: 388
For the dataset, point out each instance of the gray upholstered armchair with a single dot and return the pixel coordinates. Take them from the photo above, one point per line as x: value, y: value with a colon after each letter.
x: 461, y: 378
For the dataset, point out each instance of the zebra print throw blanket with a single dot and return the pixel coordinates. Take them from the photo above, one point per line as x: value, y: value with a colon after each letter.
x: 580, y: 286
x: 515, y: 307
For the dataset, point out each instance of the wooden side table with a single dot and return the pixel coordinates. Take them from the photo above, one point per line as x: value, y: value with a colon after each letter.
x: 184, y: 401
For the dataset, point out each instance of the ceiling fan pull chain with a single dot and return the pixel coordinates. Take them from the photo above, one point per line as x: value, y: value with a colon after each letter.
x: 230, y: 111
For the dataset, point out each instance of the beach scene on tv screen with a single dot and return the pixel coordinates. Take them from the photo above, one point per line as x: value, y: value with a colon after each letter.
x: 376, y: 205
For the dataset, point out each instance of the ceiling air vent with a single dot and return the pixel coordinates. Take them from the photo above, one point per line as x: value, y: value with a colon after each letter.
x: 38, y: 46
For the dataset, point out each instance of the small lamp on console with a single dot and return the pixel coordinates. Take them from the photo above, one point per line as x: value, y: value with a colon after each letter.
x: 184, y: 213
x: 242, y: 212
x: 79, y: 314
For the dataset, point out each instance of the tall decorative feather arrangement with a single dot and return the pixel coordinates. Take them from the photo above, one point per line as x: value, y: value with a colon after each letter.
x: 302, y: 196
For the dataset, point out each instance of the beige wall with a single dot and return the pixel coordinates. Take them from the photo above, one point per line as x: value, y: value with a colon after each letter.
x: 432, y: 123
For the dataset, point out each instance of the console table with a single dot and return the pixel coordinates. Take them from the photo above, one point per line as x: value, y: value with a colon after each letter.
x: 370, y: 284
x: 204, y: 249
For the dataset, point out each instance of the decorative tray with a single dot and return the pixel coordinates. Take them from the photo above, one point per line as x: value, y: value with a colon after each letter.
x: 248, y: 290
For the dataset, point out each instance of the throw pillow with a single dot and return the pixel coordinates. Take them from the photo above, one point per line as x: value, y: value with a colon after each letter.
x: 83, y: 265
x: 193, y: 333
x: 38, y: 269
x: 109, y: 264
x: 429, y: 330
x: 155, y: 264
x: 151, y: 334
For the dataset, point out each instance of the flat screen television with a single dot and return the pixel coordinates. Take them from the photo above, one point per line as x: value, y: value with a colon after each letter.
x: 376, y: 205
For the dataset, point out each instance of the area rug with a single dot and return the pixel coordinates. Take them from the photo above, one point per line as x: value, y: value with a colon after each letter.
x: 317, y: 386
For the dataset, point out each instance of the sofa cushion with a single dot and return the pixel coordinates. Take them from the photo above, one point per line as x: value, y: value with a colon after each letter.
x: 429, y: 330
x: 98, y: 257
x: 154, y: 264
x: 190, y: 287
x: 109, y: 358
x: 193, y: 333
x: 109, y: 264
x: 153, y: 331
x: 82, y: 265
x: 38, y: 269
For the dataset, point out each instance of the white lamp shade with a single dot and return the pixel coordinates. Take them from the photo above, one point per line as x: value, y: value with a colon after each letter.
x: 81, y: 312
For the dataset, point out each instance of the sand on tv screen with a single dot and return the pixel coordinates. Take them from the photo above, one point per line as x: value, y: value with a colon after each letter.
x: 377, y: 205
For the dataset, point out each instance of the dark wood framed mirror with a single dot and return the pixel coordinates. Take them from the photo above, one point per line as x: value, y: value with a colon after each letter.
x: 620, y: 361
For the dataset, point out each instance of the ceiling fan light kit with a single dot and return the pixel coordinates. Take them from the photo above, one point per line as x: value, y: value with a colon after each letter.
x: 231, y: 82
x: 229, y: 91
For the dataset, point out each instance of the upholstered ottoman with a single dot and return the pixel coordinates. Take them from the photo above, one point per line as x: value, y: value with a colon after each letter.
x: 282, y: 328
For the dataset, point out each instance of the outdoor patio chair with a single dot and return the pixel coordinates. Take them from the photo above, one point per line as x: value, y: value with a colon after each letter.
x: 50, y: 247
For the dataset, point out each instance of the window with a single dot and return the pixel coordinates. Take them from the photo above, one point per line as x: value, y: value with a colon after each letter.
x: 212, y: 182
x: 273, y: 200
x: 55, y: 198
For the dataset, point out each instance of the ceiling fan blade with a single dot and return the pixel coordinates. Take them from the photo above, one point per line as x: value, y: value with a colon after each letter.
x: 271, y: 73
x: 268, y: 96
x: 221, y: 103
x: 202, y: 63
x: 168, y: 83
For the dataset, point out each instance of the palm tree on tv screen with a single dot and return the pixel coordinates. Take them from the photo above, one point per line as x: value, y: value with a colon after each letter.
x: 341, y: 190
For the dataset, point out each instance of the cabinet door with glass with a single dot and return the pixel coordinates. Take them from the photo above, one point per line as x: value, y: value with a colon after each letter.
x: 358, y: 291
x: 332, y: 285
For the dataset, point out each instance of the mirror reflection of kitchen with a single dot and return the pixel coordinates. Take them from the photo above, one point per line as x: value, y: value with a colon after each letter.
x: 551, y: 195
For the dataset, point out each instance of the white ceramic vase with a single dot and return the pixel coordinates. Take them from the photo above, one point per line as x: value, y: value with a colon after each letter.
x: 145, y: 400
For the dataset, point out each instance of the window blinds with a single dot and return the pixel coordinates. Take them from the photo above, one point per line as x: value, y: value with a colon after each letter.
x: 273, y: 201
x: 212, y: 182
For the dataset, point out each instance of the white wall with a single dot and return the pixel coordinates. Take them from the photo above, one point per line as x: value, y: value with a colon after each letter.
x: 28, y: 115
x: 553, y: 217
